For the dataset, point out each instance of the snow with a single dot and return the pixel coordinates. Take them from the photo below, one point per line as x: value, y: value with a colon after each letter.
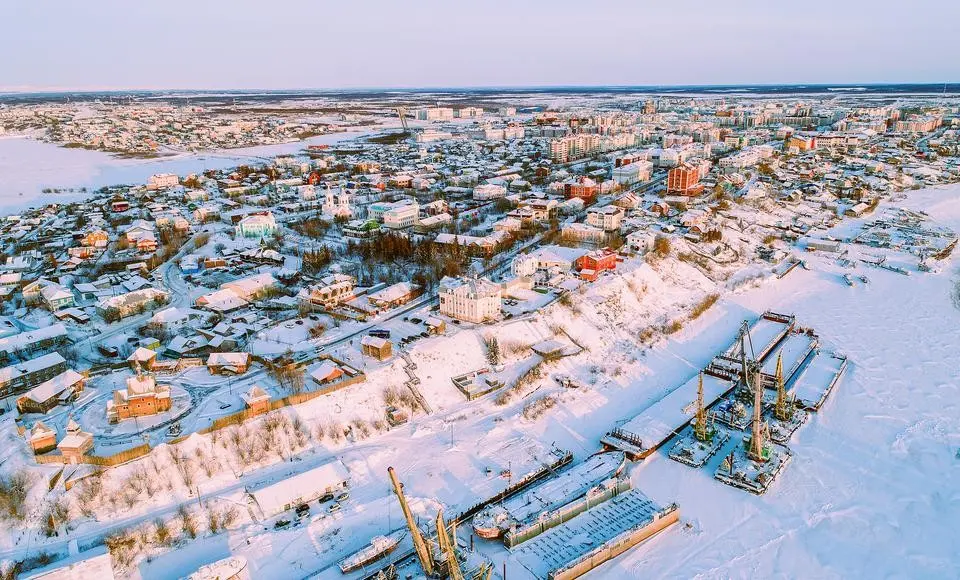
x: 555, y: 493
x: 873, y: 478
x: 564, y: 544
x: 764, y: 334
x: 30, y: 165
x: 810, y: 386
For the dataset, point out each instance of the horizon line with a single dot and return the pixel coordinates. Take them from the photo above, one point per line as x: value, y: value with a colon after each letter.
x: 81, y: 90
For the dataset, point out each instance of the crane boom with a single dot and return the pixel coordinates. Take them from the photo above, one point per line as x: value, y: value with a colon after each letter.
x: 447, y: 547
x: 423, y: 550
x: 402, y: 113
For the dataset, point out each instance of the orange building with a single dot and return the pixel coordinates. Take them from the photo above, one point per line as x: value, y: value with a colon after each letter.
x: 684, y: 180
x: 143, y: 396
x: 584, y: 188
x: 42, y: 438
x: 257, y: 400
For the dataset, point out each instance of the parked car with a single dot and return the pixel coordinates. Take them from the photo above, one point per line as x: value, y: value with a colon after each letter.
x: 334, y: 507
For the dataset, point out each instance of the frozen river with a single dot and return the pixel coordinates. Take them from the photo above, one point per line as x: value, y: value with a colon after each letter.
x: 27, y: 166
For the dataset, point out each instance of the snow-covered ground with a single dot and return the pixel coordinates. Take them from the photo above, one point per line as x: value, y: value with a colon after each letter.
x: 874, y: 485
x: 872, y: 488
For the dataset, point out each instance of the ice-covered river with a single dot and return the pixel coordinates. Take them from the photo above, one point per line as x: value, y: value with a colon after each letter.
x: 27, y: 166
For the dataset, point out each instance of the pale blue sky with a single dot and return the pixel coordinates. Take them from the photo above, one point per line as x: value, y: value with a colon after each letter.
x: 98, y: 44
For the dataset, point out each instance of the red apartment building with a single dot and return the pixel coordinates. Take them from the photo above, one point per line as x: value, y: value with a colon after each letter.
x: 584, y: 188
x: 684, y: 180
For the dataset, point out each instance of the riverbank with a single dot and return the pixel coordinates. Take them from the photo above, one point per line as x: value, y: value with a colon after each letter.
x: 29, y: 166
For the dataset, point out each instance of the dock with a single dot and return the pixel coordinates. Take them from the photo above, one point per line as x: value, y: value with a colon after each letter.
x: 795, y: 349
x: 645, y: 433
x: 817, y: 379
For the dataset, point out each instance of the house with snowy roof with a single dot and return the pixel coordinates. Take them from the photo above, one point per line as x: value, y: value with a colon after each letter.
x: 59, y: 390
x: 233, y: 363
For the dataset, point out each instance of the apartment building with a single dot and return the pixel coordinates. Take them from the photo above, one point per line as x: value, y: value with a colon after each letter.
x: 572, y: 147
x: 32, y: 342
x: 474, y: 300
x: 684, y: 180
x: 402, y: 215
x: 162, y: 180
x: 330, y: 290
x: 635, y: 172
x: 435, y: 114
x: 606, y: 218
x: 22, y: 376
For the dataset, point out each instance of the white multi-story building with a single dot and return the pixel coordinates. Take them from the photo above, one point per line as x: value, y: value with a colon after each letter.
x: 470, y: 299
x: 469, y: 112
x: 161, y: 180
x: 489, y: 191
x: 257, y: 225
x: 431, y: 135
x: 524, y: 265
x: 435, y: 114
x: 578, y: 232
x: 636, y: 172
x: 606, y: 218
x: 740, y: 160
x: 402, y: 215
x: 572, y: 147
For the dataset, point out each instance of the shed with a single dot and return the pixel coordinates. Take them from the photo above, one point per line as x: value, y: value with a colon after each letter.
x: 304, y: 487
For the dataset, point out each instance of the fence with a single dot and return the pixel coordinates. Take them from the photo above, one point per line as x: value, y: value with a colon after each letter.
x: 289, y: 400
x: 219, y: 423
x: 101, y: 461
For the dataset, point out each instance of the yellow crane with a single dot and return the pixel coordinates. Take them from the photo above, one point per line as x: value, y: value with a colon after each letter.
x: 419, y: 544
x: 448, y: 547
x: 784, y: 408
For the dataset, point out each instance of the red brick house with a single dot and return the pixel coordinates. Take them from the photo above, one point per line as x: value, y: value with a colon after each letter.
x: 595, y: 263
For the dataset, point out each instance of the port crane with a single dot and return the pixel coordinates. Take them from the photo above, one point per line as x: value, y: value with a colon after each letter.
x: 447, y: 565
x: 419, y: 544
x: 402, y: 113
